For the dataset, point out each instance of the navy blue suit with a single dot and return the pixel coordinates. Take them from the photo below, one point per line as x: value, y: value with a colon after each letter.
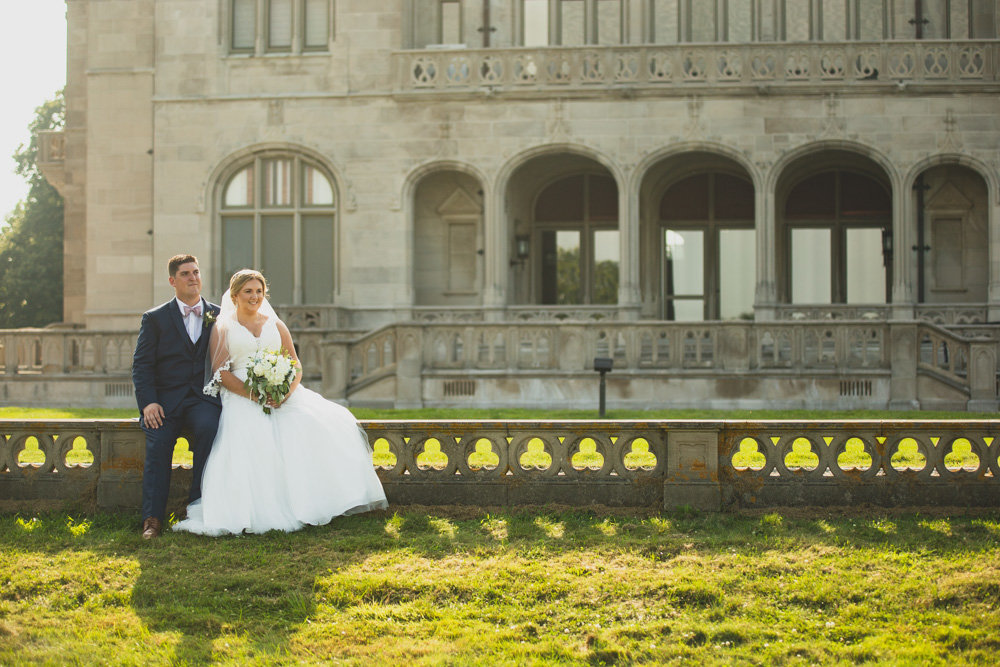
x: 167, y: 368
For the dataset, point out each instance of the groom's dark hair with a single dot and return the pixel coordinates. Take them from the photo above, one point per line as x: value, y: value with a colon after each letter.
x: 176, y: 261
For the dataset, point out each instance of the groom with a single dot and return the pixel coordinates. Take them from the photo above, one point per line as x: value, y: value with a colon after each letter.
x: 168, y: 371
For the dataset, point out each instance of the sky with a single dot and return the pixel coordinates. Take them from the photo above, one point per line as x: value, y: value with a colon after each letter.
x: 33, y: 53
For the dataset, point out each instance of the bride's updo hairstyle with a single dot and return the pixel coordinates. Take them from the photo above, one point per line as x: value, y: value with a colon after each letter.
x: 241, y: 278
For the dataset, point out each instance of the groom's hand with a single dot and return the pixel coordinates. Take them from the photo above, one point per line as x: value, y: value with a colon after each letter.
x: 152, y: 415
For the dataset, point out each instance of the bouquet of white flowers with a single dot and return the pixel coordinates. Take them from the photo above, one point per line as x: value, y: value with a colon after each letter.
x: 269, y: 376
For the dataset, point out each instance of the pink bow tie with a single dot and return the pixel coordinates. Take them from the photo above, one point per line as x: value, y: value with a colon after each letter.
x: 192, y: 309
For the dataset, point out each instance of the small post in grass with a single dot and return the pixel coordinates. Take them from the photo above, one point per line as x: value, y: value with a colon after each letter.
x: 603, y: 366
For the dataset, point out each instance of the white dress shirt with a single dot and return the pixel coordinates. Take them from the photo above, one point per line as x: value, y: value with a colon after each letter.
x: 192, y: 322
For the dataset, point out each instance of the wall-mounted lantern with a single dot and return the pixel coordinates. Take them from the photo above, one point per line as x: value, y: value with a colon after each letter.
x: 522, y: 248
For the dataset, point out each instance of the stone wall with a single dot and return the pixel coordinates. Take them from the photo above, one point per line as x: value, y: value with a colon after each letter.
x: 96, y: 465
x: 158, y: 109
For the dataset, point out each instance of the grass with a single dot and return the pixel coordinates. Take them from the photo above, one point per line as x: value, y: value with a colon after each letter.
x: 536, y: 586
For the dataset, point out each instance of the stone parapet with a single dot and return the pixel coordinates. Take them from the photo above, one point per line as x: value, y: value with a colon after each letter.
x: 709, y: 465
x: 764, y: 67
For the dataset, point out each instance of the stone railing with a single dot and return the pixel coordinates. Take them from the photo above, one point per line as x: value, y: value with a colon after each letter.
x: 451, y: 315
x: 62, y: 351
x: 761, y: 64
x: 799, y: 312
x: 711, y: 465
x: 92, y: 368
x: 720, y: 346
x: 323, y: 317
x: 373, y: 356
x: 956, y: 314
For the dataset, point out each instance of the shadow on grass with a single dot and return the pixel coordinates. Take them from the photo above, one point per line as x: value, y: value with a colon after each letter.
x: 236, y: 598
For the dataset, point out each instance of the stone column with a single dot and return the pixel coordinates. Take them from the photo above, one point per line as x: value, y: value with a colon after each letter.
x: 766, y: 294
x: 335, y: 368
x: 993, y: 227
x: 629, y: 300
x: 904, y: 291
x: 409, y: 367
x: 496, y: 261
x: 903, y: 350
x: 982, y: 377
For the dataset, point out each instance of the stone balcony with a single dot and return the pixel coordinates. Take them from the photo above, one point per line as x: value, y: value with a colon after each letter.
x: 684, y: 68
x: 51, y: 157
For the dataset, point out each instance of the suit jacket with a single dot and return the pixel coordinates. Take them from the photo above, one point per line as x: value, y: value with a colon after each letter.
x: 166, y: 365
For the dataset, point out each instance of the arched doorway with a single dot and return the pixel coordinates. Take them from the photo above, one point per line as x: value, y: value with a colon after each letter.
x: 699, y: 242
x: 835, y: 231
x: 566, y: 244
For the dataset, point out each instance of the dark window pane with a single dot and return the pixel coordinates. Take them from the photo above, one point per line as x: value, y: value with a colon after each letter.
x: 237, y: 245
x: 317, y: 259
x: 561, y: 202
x: 687, y: 200
x: 861, y: 196
x: 812, y: 198
x: 603, y: 199
x: 733, y: 198
x: 277, y: 261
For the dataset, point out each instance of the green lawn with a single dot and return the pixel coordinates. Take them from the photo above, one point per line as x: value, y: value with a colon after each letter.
x: 537, y: 586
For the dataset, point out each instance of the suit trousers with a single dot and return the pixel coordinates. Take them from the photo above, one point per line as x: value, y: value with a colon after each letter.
x: 195, y: 419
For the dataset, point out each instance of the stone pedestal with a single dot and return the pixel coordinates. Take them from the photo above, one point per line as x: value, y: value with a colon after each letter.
x: 692, y: 471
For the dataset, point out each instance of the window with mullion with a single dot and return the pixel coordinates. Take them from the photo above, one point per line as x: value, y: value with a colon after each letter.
x: 278, y: 215
x: 835, y: 222
x: 279, y: 26
x: 576, y: 222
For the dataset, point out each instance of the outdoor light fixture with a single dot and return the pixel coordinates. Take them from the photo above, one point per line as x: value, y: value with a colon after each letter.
x: 522, y: 244
x: 886, y: 246
x: 603, y: 366
x: 522, y: 248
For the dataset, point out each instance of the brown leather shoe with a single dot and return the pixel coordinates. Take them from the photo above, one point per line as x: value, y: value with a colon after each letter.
x: 151, y: 527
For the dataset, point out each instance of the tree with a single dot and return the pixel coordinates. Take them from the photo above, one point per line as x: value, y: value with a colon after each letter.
x: 31, y: 242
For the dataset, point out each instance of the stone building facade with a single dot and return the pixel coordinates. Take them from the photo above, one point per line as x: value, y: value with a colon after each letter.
x: 462, y: 202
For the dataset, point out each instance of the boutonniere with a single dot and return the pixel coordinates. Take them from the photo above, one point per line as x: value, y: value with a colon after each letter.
x: 208, y: 320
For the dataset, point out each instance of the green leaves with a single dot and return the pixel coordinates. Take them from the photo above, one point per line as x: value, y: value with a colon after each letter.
x: 31, y: 241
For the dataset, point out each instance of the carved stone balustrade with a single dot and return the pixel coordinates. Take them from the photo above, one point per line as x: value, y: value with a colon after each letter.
x: 689, y: 66
x: 711, y: 465
x: 830, y: 364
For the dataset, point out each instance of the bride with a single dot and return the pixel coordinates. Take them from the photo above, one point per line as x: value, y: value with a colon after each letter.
x: 305, y: 463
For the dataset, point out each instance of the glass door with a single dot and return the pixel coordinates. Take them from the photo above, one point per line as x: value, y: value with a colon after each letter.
x: 683, y: 275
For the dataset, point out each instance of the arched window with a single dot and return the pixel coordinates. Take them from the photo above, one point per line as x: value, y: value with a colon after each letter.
x: 838, y: 224
x: 576, y: 228
x: 709, y: 248
x: 278, y: 215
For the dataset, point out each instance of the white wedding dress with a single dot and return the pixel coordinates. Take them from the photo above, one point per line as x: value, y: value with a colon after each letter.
x: 305, y: 463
